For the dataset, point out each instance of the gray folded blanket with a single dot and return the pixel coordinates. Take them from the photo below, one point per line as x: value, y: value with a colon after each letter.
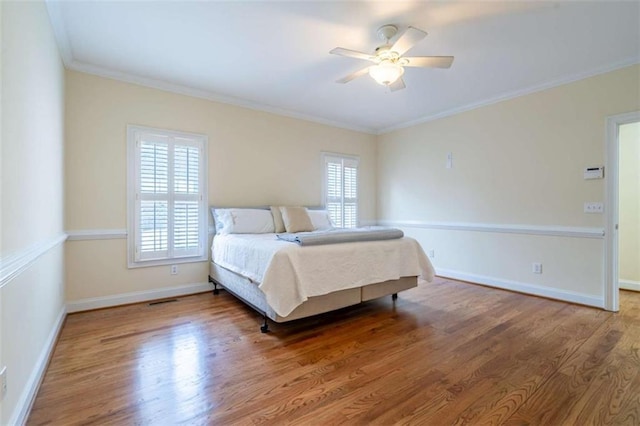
x: 342, y: 235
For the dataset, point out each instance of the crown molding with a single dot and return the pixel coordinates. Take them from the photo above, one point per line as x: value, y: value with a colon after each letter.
x: 213, y: 97
x: 634, y: 60
x: 60, y: 31
x: 207, y: 95
x: 66, y: 51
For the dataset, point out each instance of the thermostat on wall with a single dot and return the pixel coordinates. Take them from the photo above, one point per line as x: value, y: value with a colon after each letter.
x: 594, y: 172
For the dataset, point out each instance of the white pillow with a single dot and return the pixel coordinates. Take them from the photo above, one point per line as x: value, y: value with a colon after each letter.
x: 222, y: 220
x: 320, y: 219
x: 244, y: 221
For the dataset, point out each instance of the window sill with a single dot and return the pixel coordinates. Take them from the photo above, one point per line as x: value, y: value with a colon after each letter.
x: 163, y: 262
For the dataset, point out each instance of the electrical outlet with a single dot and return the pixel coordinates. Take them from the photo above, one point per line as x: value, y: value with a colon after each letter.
x: 593, y: 207
x: 431, y: 253
x: 3, y: 383
x: 536, y: 268
x: 174, y: 269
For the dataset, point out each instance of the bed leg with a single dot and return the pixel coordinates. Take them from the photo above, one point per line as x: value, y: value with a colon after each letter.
x: 264, y: 328
x: 215, y: 285
x: 394, y: 296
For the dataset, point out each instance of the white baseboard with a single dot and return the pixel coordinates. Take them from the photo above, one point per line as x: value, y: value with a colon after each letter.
x: 629, y: 285
x: 536, y: 290
x: 136, y: 296
x: 23, y: 407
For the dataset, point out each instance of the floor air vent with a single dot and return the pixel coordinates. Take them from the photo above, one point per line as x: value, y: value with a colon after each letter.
x: 159, y: 302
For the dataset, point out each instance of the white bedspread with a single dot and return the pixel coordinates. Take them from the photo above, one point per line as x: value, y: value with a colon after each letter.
x: 289, y: 274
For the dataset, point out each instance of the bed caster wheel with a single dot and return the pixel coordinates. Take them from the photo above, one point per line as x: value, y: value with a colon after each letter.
x: 264, y: 328
x: 394, y: 296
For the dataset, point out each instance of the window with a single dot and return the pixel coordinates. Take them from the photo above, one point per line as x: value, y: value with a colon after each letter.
x: 341, y: 189
x: 167, y: 197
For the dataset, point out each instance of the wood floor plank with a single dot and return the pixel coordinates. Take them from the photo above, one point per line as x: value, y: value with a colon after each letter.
x: 552, y: 402
x: 443, y: 353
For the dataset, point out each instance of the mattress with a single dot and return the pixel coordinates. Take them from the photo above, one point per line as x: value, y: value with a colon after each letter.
x: 289, y: 275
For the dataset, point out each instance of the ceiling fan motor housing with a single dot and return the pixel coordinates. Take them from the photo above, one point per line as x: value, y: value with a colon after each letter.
x: 384, y: 53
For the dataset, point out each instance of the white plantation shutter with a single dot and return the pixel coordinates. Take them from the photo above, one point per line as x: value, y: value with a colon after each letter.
x: 167, y: 198
x: 350, y: 209
x: 152, y: 199
x: 333, y: 170
x: 341, y: 189
x: 186, y: 205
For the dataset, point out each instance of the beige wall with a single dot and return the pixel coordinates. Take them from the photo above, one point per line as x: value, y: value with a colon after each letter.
x: 32, y: 303
x: 520, y: 162
x: 629, y: 219
x: 255, y: 158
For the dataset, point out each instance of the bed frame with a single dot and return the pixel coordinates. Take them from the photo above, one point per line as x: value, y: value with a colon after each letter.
x: 248, y: 292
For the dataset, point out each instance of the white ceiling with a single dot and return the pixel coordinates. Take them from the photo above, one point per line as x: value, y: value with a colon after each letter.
x: 274, y: 55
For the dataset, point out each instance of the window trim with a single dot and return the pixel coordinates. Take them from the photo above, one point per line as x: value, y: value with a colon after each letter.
x: 203, y: 234
x: 323, y: 161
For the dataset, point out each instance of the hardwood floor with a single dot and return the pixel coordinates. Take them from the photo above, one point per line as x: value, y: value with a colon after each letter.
x: 446, y: 353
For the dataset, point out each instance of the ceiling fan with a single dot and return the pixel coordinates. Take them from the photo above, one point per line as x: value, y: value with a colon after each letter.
x: 388, y: 59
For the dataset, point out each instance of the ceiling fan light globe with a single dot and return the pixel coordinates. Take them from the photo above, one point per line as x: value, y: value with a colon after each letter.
x: 386, y: 73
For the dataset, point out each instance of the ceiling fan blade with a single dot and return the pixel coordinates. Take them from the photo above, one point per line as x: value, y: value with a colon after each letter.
x: 353, y: 76
x: 352, y: 54
x: 429, y: 61
x: 397, y: 85
x: 407, y: 40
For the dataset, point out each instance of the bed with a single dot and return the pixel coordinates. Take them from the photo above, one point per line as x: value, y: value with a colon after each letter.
x: 284, y: 281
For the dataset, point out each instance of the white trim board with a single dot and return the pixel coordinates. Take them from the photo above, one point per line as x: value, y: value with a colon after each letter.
x: 526, y: 288
x: 105, y: 234
x: 214, y: 97
x: 26, y: 399
x: 66, y: 52
x: 611, y: 255
x: 209, y: 96
x: 555, y: 231
x: 60, y: 33
x: 14, y: 264
x: 514, y: 94
x: 136, y: 297
x: 97, y: 234
x: 629, y: 285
